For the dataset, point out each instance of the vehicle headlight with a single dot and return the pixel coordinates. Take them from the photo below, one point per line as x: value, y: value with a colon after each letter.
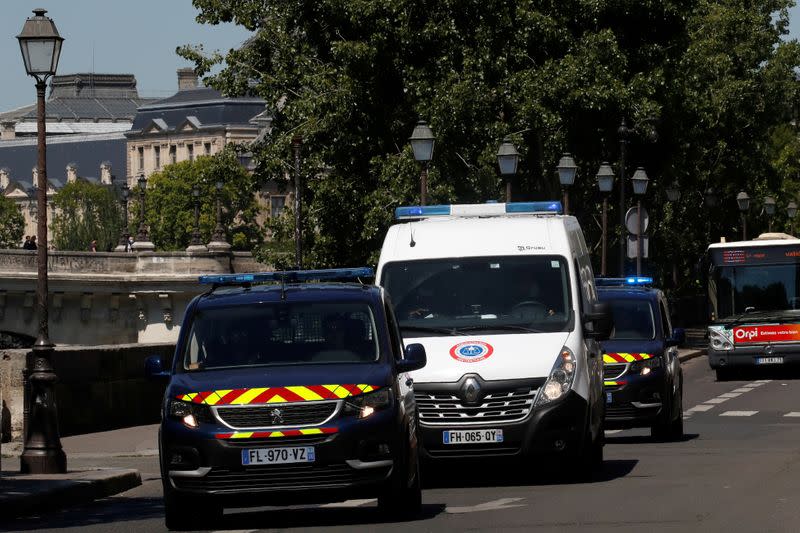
x: 365, y: 405
x: 646, y: 366
x: 720, y: 339
x: 191, y: 414
x: 560, y: 380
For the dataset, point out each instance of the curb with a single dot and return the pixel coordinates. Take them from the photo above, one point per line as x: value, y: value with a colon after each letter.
x: 22, y: 495
x: 690, y: 355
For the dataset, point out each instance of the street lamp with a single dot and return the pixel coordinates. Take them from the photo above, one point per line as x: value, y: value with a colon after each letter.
x: 791, y: 211
x: 744, y: 205
x: 218, y: 240
x: 40, y: 45
x: 122, y: 245
x: 507, y: 160
x: 196, y: 244
x: 673, y: 196
x: 142, y: 240
x: 640, y: 182
x: 624, y: 132
x: 605, y: 182
x: 567, y: 169
x: 422, y: 142
x: 769, y: 209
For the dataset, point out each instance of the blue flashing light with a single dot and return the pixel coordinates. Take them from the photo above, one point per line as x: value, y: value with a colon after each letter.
x: 639, y: 281
x: 419, y: 211
x: 288, y: 276
x: 534, y: 207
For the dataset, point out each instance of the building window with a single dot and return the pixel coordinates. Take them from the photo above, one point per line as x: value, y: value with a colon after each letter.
x: 190, y: 151
x: 276, y: 205
x: 173, y: 154
x: 141, y: 158
x: 157, y: 155
x: 207, y: 148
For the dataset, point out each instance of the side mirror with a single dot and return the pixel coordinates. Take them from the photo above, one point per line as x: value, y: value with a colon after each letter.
x: 678, y: 337
x: 598, y: 321
x: 154, y: 368
x: 414, y: 358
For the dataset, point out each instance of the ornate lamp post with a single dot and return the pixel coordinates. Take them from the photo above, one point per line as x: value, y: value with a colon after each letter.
x: 297, y: 144
x: 122, y: 245
x: 567, y: 169
x: 673, y: 196
x: 744, y: 205
x: 507, y: 160
x: 624, y: 133
x: 640, y: 182
x: 422, y: 143
x: 791, y: 212
x: 142, y: 242
x: 40, y: 44
x: 196, y: 244
x: 218, y: 240
x: 605, y: 182
x: 769, y: 209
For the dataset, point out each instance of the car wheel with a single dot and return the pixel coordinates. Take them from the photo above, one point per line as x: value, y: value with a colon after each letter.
x: 670, y: 427
x: 402, y: 499
x: 186, y: 512
x: 589, y: 459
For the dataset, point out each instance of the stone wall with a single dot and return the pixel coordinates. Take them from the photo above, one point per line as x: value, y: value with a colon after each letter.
x: 100, y: 387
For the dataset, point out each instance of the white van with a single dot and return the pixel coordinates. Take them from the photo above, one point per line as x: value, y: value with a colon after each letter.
x: 502, y: 296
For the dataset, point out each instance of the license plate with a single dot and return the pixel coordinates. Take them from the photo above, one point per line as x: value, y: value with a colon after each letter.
x: 472, y: 436
x: 278, y: 456
x: 769, y: 360
x: 608, y: 397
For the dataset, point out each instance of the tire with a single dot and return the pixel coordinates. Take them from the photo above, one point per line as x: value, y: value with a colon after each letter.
x: 582, y: 466
x: 401, y: 499
x: 186, y: 512
x: 671, y: 428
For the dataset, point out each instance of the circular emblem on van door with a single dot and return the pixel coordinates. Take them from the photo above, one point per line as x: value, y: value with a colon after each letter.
x: 471, y: 351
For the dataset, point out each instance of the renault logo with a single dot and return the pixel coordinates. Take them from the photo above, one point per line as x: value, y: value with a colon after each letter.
x: 471, y: 390
x: 277, y: 417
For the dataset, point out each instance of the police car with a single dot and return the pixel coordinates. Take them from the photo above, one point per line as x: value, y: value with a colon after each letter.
x: 642, y: 374
x: 289, y: 392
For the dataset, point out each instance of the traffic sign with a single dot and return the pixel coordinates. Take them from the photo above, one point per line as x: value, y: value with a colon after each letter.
x: 633, y: 246
x: 632, y: 223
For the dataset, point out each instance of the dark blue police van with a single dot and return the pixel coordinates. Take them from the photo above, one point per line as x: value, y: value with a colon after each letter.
x: 642, y: 376
x: 285, y: 389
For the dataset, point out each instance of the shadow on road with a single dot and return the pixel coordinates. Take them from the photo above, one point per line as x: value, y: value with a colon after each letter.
x: 645, y: 439
x: 776, y: 372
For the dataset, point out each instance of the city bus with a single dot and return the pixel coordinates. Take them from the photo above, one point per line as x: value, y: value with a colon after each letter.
x: 754, y: 303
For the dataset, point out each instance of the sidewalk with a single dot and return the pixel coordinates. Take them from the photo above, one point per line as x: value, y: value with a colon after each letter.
x: 685, y: 354
x: 24, y: 494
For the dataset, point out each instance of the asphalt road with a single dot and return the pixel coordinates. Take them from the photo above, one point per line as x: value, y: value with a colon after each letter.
x: 737, y: 470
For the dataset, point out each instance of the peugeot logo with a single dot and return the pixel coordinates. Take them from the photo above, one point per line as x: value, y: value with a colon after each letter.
x: 471, y: 390
x: 768, y: 350
x: 277, y: 417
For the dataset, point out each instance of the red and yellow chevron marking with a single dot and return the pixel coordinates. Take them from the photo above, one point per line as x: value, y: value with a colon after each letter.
x: 613, y: 383
x: 273, y: 434
x: 261, y: 395
x: 612, y: 358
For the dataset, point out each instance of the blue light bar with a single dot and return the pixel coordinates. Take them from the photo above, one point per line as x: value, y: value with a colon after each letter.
x: 633, y: 280
x: 478, y: 210
x: 288, y: 276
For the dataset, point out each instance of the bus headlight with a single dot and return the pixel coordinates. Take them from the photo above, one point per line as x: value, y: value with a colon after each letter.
x: 560, y: 380
x: 720, y: 339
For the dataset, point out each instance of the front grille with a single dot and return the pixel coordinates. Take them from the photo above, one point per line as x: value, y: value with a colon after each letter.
x: 289, y: 477
x: 497, y: 407
x: 300, y: 414
x: 278, y: 441
x: 612, y: 372
x: 626, y: 410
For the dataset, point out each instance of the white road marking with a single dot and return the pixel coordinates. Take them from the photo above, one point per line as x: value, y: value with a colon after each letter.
x: 730, y: 395
x: 717, y: 400
x: 793, y: 414
x: 348, y: 503
x: 613, y: 431
x: 700, y: 407
x: 494, y: 505
x: 738, y: 413
x: 756, y: 384
x: 742, y: 389
x: 763, y: 381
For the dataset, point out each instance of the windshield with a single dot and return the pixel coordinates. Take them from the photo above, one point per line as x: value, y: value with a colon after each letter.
x: 633, y: 320
x: 281, y: 333
x: 745, y: 289
x: 504, y: 294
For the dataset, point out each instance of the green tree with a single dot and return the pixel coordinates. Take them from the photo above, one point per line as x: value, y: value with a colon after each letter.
x: 703, y: 83
x: 170, y: 206
x: 12, y: 223
x: 85, y: 212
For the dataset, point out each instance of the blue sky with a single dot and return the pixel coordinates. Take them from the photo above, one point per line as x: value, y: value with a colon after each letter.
x: 123, y: 36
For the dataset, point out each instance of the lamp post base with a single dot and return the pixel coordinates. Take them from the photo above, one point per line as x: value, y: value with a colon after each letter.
x: 196, y: 248
x: 219, y: 246
x: 143, y: 246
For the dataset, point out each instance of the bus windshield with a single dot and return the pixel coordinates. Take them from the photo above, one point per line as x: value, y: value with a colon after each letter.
x: 501, y: 294
x: 756, y: 288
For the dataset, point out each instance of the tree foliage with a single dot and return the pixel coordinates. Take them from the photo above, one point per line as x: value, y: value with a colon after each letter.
x: 170, y: 206
x: 84, y: 212
x: 12, y: 223
x: 703, y: 84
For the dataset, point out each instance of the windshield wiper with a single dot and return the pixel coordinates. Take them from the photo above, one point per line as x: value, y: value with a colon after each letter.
x: 501, y: 327
x: 777, y: 316
x: 428, y: 329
